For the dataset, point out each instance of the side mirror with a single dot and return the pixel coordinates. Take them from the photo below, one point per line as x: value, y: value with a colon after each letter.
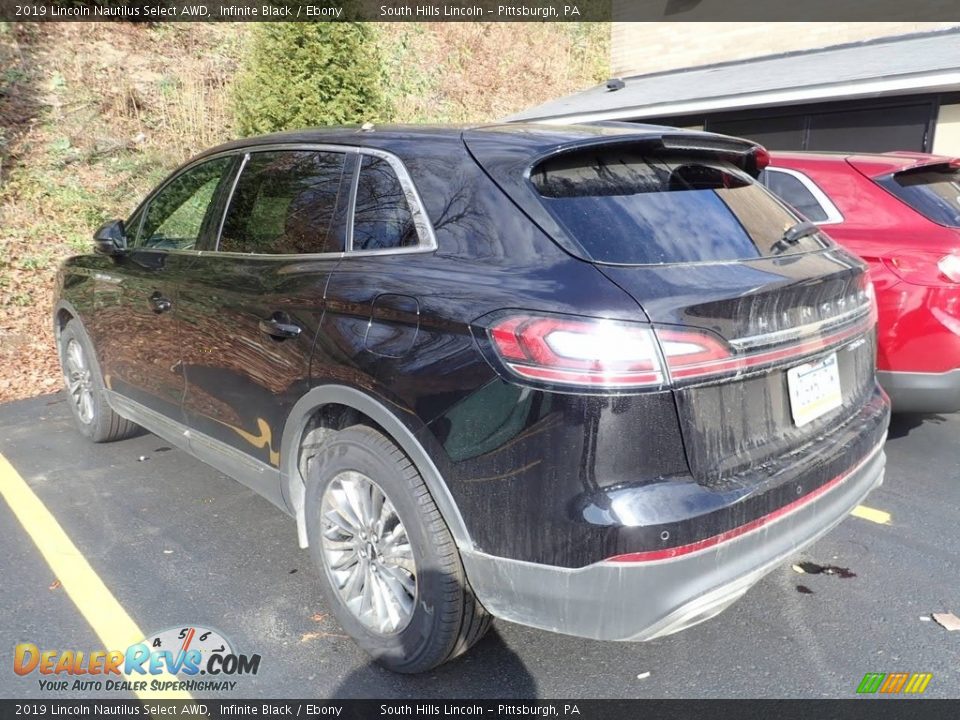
x: 110, y: 239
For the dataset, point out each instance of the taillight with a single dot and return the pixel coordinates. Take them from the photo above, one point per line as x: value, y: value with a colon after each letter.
x: 598, y: 353
x: 606, y: 353
x: 950, y: 267
x: 692, y: 354
x: 559, y: 350
x: 924, y: 268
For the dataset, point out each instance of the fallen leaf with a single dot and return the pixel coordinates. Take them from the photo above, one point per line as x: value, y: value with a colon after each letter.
x: 947, y: 620
x: 308, y: 636
x: 318, y: 617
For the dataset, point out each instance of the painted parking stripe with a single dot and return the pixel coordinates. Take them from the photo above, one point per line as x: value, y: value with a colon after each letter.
x: 868, y: 513
x: 93, y: 599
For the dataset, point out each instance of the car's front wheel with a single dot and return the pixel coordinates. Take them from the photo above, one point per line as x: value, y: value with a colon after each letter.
x: 85, y: 391
x: 388, y: 565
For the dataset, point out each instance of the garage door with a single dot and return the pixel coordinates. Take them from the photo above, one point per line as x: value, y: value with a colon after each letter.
x: 877, y: 129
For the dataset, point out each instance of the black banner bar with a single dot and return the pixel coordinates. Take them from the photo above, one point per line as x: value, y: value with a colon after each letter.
x: 476, y: 10
x: 875, y: 708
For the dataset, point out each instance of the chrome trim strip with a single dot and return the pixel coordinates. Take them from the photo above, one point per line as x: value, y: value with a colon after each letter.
x: 226, y: 205
x: 352, y: 205
x: 802, y: 331
x: 289, y: 257
x: 428, y: 240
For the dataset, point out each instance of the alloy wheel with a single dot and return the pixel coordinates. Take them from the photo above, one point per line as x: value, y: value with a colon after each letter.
x: 367, y: 553
x: 76, y: 372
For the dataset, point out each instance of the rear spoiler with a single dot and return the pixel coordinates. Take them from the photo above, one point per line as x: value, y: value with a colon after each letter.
x: 748, y: 156
x: 938, y: 166
x: 744, y: 154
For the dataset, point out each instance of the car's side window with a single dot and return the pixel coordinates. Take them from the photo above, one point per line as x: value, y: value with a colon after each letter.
x: 285, y: 202
x: 382, y: 218
x: 173, y: 219
x: 800, y: 193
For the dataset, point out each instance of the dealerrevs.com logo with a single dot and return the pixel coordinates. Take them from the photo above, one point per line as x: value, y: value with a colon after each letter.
x: 184, y: 652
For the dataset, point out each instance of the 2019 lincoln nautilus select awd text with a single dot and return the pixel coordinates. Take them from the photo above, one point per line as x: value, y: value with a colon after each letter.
x: 593, y: 379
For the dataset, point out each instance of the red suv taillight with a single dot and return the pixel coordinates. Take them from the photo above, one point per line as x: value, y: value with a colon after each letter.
x: 949, y: 266
x: 923, y: 268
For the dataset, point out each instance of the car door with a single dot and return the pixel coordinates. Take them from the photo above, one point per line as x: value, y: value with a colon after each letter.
x: 251, y: 306
x: 375, y: 306
x: 135, y: 298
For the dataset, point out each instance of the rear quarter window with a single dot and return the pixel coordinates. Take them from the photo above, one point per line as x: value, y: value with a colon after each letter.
x: 629, y: 207
x: 792, y: 190
x: 382, y: 218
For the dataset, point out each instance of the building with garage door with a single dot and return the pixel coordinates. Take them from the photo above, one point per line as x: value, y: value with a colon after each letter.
x: 861, y: 87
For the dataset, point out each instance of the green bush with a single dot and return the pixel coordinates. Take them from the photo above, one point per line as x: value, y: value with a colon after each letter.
x: 300, y: 74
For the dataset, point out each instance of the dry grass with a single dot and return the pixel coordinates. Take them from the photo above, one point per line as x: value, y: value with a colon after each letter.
x: 92, y: 115
x: 478, y: 72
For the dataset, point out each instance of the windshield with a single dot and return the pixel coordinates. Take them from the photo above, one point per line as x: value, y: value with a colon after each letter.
x: 626, y: 207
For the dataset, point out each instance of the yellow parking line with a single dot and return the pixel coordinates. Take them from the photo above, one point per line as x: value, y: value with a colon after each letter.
x: 93, y: 599
x: 868, y: 513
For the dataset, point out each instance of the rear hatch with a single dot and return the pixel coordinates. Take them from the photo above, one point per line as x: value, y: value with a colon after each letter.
x: 766, y: 328
x: 930, y: 186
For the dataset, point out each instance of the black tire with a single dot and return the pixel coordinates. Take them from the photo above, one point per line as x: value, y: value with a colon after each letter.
x: 97, y: 420
x: 446, y: 618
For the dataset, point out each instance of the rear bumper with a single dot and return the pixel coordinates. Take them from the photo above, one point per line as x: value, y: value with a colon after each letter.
x: 922, y: 392
x: 643, y: 600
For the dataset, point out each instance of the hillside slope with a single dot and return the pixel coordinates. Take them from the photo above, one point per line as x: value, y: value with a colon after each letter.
x: 92, y: 115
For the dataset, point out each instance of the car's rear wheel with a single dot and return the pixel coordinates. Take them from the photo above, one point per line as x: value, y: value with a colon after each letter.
x: 85, y: 391
x: 388, y: 565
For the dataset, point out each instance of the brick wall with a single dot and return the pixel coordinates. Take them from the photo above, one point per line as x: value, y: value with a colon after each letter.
x: 639, y: 48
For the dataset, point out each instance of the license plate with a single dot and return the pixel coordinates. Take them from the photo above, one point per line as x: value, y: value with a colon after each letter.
x: 814, y: 389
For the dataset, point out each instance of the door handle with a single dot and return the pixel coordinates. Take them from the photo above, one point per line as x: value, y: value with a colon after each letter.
x: 275, y: 327
x: 159, y: 303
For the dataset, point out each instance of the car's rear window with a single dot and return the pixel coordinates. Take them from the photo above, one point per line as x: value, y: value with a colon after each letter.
x: 933, y: 192
x: 629, y: 207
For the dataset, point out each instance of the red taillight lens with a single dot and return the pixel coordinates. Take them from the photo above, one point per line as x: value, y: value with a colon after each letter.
x: 922, y: 268
x: 605, y: 353
x: 597, y: 353
x: 691, y: 354
x: 558, y: 350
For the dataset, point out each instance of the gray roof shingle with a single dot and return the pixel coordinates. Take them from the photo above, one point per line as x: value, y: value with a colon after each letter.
x: 918, y: 61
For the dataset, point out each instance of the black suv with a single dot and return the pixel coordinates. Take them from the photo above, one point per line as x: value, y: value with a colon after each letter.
x: 593, y: 379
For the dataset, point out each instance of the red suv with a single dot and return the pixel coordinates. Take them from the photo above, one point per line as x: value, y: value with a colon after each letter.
x: 901, y: 213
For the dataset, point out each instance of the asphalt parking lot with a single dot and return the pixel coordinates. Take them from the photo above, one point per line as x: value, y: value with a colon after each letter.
x: 177, y: 543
